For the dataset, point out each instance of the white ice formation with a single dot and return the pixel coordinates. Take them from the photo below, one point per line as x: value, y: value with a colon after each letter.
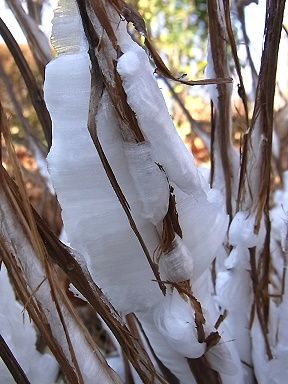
x: 94, y: 220
x: 234, y: 285
x: 275, y: 371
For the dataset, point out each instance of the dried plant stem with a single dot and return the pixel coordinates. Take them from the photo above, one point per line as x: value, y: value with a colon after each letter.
x: 35, y: 311
x: 241, y: 89
x: 12, y: 364
x: 37, y: 41
x: 35, y: 9
x: 113, y: 83
x: 258, y: 297
x: 222, y: 108
x: 254, y: 74
x: 202, y: 372
x: 35, y: 93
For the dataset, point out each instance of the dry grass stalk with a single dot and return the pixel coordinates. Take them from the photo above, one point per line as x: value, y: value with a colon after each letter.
x: 12, y: 364
x: 232, y: 42
x: 221, y: 145
x: 33, y: 307
x: 37, y: 40
x: 35, y: 93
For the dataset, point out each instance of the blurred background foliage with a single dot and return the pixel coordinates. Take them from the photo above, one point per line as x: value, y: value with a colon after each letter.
x: 10, y: 69
x: 179, y: 29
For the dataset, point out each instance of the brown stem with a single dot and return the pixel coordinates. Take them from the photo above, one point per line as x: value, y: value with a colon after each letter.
x: 35, y: 37
x: 222, y: 107
x: 12, y: 364
x: 254, y: 188
x: 202, y: 371
x: 131, y: 15
x: 35, y: 10
x: 241, y: 90
x: 258, y: 301
x: 35, y: 93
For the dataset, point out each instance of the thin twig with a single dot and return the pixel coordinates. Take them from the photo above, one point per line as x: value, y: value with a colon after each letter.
x: 254, y: 74
x: 35, y: 93
x: 12, y: 364
x: 241, y: 89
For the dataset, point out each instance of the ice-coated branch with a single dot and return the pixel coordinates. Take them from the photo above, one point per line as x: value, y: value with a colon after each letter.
x: 72, y: 264
x: 36, y: 283
x: 254, y: 185
x: 181, y: 220
x: 43, y: 310
x: 256, y: 161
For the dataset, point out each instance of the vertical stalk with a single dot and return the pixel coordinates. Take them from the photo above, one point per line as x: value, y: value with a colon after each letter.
x: 254, y: 184
x: 222, y: 146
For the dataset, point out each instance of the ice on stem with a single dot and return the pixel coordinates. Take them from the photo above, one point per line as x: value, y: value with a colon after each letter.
x: 94, y: 220
x: 92, y: 364
x: 234, y: 285
x: 147, y: 102
x: 20, y: 335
